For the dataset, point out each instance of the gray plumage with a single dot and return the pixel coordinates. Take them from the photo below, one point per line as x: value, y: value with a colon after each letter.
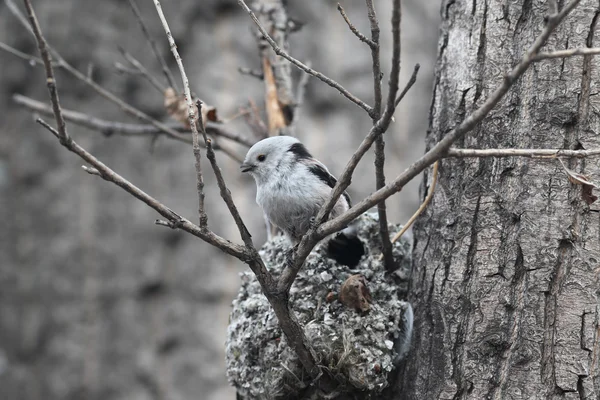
x: 291, y: 184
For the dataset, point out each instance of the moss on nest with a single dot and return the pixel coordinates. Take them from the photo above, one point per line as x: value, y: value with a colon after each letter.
x: 358, y: 349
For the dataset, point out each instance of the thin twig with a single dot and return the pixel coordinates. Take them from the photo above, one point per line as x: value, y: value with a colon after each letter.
x: 423, y: 205
x: 226, y: 196
x: 251, y: 72
x: 375, y: 32
x: 108, y: 128
x: 103, y: 92
x: 192, y: 115
x: 153, y: 46
x: 567, y: 53
x: 50, y: 81
x: 29, y: 58
x: 356, y: 32
x: 121, y: 68
x: 531, y: 153
x: 396, y: 45
x: 441, y: 148
x: 380, y: 143
x: 14, y: 9
x: 109, y: 175
x: 386, y: 245
x: 409, y: 84
x: 303, y: 67
x: 143, y: 71
x: 174, y: 219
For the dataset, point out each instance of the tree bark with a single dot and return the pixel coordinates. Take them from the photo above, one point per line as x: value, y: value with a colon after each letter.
x: 505, y: 283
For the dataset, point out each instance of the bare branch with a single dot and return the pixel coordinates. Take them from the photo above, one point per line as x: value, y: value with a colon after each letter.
x: 123, y: 69
x: 99, y: 168
x: 395, y: 73
x: 377, y: 75
x: 29, y: 58
x: 143, y: 71
x: 440, y: 149
x: 251, y: 72
x: 302, y: 66
x: 193, y: 117
x: 152, y: 43
x: 531, y: 153
x: 129, y: 109
x: 12, y: 6
x: 226, y: 196
x: 356, y: 32
x: 409, y: 84
x: 428, y: 198
x: 567, y: 53
x: 50, y: 81
x: 386, y: 245
x: 108, y: 128
x: 109, y: 175
x: 279, y: 302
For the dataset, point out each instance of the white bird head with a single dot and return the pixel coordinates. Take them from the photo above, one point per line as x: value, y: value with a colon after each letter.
x: 273, y: 155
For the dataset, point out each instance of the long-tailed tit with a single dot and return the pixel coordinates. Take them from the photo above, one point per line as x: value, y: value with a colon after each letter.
x: 291, y: 184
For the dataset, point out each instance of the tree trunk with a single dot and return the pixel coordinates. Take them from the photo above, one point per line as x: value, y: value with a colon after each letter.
x: 505, y: 284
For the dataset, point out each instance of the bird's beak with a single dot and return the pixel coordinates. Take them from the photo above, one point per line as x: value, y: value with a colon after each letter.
x: 247, y: 167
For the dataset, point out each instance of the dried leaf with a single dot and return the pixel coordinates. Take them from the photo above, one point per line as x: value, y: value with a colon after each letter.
x: 355, y: 293
x: 178, y: 110
x: 587, y: 185
x: 275, y: 115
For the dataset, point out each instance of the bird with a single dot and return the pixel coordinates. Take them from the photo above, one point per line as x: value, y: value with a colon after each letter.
x: 292, y: 185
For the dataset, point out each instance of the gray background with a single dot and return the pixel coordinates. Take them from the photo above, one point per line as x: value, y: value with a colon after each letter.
x: 79, y: 256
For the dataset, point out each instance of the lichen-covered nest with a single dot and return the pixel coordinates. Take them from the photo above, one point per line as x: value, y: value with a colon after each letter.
x: 358, y: 349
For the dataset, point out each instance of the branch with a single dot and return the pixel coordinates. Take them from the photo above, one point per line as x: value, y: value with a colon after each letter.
x: 143, y: 71
x: 152, y: 43
x: 409, y: 84
x: 567, y: 53
x: 85, y: 79
x: 279, y: 302
x: 302, y: 66
x: 175, y: 220
x: 531, y: 153
x: 423, y: 206
x: 50, y: 81
x: 108, y: 128
x: 192, y: 116
x: 108, y: 174
x: 356, y: 32
x: 29, y: 58
x: 224, y: 191
x: 386, y: 245
x: 442, y: 147
x: 251, y: 72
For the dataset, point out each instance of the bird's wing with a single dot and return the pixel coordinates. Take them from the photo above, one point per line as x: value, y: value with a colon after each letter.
x: 320, y: 171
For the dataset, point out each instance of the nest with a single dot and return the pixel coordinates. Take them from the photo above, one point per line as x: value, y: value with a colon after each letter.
x: 358, y: 349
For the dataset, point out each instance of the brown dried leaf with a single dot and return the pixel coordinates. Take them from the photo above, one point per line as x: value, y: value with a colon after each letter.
x: 177, y: 108
x: 355, y: 293
x: 275, y: 114
x: 587, y: 185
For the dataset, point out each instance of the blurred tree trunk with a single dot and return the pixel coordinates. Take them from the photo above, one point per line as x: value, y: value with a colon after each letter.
x: 505, y: 285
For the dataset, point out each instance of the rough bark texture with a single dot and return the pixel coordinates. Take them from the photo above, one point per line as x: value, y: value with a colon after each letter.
x: 505, y: 286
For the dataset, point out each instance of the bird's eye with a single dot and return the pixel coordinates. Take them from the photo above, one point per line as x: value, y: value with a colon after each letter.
x: 261, y: 157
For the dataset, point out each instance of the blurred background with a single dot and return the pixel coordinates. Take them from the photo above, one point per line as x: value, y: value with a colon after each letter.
x: 97, y: 302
